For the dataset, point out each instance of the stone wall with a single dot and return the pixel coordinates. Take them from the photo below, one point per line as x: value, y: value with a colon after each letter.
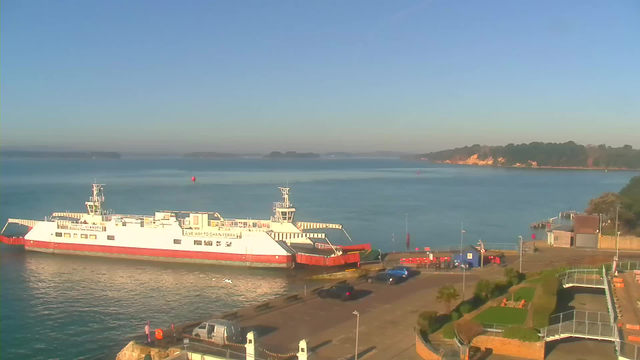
x: 510, y: 347
x: 423, y: 349
x: 625, y: 243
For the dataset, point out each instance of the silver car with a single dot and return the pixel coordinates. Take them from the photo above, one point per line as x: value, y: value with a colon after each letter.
x: 219, y: 331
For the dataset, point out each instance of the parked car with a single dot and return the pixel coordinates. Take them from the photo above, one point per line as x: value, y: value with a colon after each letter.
x: 219, y: 331
x: 384, y: 278
x: 343, y: 292
x: 401, y: 271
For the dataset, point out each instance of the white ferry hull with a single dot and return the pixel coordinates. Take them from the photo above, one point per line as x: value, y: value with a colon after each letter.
x: 275, y: 261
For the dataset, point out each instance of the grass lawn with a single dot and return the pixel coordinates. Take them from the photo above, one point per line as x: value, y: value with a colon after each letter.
x: 502, y: 315
x: 525, y: 293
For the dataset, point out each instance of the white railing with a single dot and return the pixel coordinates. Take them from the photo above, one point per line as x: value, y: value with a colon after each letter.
x: 580, y: 323
x: 29, y: 223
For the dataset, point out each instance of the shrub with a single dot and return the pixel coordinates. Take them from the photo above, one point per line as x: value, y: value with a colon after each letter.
x: 512, y: 277
x: 466, y: 307
x: 426, y: 320
x: 455, y: 315
x: 448, y: 332
x: 467, y: 330
x: 521, y: 333
x: 500, y: 288
x: 483, y: 290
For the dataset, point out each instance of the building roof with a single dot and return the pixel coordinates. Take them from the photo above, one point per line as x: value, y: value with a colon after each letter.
x: 566, y: 228
x: 586, y: 224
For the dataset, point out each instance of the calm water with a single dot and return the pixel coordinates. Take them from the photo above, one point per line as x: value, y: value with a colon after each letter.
x: 65, y: 307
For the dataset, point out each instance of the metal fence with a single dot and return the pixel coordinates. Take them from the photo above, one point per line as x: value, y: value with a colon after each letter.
x: 580, y: 323
x: 583, y: 277
x: 629, y: 265
x: 629, y: 351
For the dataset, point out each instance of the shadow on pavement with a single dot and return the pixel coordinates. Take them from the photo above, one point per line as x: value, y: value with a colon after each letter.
x: 260, y: 330
x: 318, y: 346
x: 361, y: 293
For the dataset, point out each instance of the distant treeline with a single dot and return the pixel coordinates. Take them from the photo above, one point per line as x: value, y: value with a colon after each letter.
x: 568, y: 154
x: 209, y: 155
x: 291, y: 155
x: 60, y: 154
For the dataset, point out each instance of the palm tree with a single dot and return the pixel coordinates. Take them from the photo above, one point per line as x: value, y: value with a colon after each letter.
x: 447, y: 294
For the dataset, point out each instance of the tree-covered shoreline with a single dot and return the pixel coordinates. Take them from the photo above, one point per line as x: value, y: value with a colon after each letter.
x: 538, y: 154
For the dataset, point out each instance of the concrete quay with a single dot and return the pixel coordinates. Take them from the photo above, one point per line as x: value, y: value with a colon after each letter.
x: 388, y: 314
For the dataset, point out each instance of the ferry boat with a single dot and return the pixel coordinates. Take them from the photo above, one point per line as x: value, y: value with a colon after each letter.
x: 186, y: 236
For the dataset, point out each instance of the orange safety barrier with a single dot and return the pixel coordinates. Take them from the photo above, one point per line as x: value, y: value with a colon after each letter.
x: 620, y: 285
x: 634, y: 338
x: 618, y: 280
x: 633, y: 327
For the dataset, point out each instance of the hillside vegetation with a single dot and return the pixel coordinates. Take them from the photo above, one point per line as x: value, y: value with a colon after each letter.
x: 538, y: 154
x: 629, y: 213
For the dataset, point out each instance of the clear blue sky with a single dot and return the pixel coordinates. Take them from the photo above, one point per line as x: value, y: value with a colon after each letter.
x: 317, y: 75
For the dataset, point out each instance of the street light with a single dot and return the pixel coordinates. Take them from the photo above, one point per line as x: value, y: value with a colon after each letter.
x: 357, y: 314
x: 464, y: 268
x: 617, y: 232
x: 520, y: 253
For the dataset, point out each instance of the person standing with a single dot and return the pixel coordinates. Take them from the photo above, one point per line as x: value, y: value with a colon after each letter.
x: 147, y: 332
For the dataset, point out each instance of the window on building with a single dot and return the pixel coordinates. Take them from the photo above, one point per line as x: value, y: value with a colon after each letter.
x: 227, y: 244
x: 218, y: 243
x: 67, y: 235
x: 83, y: 236
x: 58, y: 234
x: 92, y: 237
x: 208, y: 243
x: 111, y: 237
x: 197, y: 242
x: 177, y: 241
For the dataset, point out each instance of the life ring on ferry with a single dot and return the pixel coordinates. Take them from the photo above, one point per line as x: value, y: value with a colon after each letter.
x: 159, y: 334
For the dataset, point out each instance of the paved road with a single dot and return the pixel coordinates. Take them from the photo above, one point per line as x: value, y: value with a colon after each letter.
x: 388, y: 315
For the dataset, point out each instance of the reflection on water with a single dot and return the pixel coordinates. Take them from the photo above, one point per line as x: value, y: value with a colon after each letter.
x: 102, y: 303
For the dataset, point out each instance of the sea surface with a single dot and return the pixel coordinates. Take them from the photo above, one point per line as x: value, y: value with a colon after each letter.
x: 68, y: 307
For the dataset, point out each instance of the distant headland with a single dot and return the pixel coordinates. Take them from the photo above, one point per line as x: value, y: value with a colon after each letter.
x: 568, y: 155
x: 291, y: 155
x: 19, y: 154
x: 209, y: 155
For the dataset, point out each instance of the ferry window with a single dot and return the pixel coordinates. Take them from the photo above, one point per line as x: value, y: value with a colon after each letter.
x: 67, y: 235
x: 227, y: 244
x: 83, y: 236
x: 197, y: 242
x: 218, y: 243
x: 92, y: 237
x: 111, y: 237
x: 58, y: 234
x: 75, y: 236
x: 177, y: 241
x: 208, y: 243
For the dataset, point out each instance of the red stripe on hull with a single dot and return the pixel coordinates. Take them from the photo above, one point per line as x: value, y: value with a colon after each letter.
x: 12, y: 240
x: 120, y: 251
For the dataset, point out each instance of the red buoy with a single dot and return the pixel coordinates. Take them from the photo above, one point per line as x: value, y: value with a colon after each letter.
x: 159, y: 334
x: 193, y: 178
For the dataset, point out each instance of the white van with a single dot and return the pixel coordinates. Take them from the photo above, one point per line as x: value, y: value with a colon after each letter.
x: 219, y: 331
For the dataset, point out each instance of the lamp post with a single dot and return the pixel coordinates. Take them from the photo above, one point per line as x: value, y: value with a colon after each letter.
x: 357, y: 314
x: 617, y: 232
x: 520, y: 253
x: 464, y: 268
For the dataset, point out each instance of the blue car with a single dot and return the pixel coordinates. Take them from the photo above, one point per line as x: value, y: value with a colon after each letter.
x: 400, y: 271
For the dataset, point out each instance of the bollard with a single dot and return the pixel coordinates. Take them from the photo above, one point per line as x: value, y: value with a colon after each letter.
x: 251, y: 346
x: 302, y: 350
